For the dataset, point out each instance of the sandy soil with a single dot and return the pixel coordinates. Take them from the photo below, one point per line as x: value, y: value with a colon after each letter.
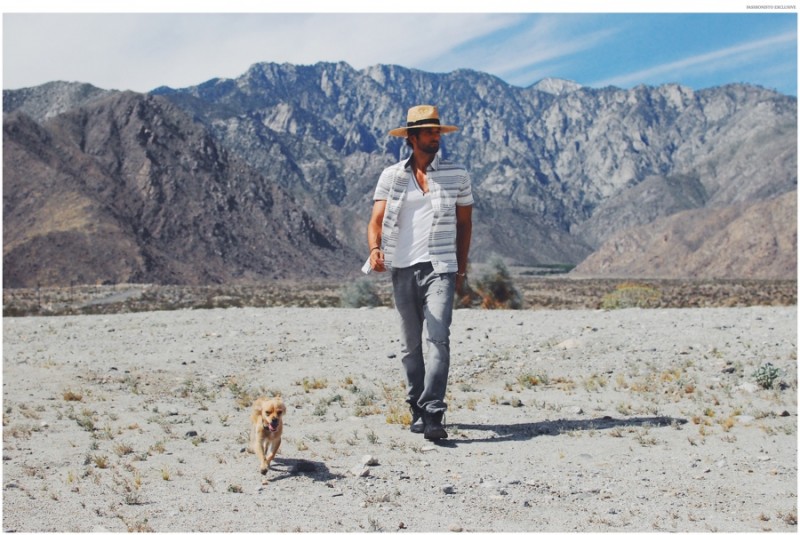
x: 569, y: 420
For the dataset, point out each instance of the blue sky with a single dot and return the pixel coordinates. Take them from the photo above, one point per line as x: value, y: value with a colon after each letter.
x: 143, y: 50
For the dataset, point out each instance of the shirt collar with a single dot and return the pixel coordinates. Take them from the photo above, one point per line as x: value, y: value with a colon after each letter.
x: 433, y: 167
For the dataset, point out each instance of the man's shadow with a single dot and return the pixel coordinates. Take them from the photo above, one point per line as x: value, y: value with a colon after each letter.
x: 527, y: 431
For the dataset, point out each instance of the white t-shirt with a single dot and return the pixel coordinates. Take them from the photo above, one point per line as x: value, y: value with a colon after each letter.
x: 414, y: 227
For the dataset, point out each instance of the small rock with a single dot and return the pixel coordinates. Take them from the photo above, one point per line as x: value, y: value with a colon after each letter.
x: 369, y: 460
x: 785, y: 413
x: 455, y: 528
x: 392, y: 356
x: 360, y: 471
x: 190, y: 434
x: 575, y: 410
x: 568, y: 344
x: 448, y: 489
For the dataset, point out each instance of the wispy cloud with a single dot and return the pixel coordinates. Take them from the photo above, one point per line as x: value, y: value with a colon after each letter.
x: 547, y: 40
x: 738, y: 56
x: 521, y: 45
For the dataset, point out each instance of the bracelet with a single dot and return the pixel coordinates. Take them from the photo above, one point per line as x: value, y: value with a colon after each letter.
x: 376, y: 247
x: 461, y: 274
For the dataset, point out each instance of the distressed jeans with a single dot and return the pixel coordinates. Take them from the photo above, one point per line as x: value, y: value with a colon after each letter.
x: 424, y: 300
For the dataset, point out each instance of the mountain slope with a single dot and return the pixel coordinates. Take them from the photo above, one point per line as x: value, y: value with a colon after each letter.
x: 743, y: 241
x: 129, y: 189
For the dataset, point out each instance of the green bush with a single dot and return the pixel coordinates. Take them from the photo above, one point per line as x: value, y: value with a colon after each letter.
x: 765, y: 375
x: 361, y: 293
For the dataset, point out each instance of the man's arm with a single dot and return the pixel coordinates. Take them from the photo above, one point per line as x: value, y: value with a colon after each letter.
x: 374, y: 235
x: 463, y: 239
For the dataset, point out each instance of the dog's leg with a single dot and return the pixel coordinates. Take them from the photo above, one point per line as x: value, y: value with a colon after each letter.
x: 251, y: 445
x: 272, y: 450
x: 258, y: 446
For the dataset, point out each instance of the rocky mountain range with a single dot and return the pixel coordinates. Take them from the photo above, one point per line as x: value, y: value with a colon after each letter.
x: 270, y: 175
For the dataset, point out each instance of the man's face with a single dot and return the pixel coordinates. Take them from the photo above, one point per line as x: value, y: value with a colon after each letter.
x: 426, y: 140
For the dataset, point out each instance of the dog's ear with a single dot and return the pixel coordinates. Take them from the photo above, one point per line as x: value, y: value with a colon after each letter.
x: 279, y: 404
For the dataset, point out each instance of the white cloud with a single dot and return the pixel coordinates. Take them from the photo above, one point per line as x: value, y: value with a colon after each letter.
x: 142, y: 51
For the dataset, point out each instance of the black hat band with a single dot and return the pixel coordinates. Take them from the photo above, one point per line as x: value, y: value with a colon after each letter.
x: 422, y: 122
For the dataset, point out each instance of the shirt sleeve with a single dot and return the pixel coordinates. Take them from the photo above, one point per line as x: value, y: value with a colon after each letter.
x: 465, y: 191
x: 384, y: 183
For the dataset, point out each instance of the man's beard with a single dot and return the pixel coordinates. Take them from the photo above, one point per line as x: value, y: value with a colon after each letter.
x: 431, y: 148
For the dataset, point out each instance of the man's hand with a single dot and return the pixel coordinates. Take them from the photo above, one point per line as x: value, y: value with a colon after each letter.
x: 462, y: 288
x: 376, y: 260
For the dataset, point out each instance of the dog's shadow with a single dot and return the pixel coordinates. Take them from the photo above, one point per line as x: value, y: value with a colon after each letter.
x: 527, y: 431
x: 315, y: 470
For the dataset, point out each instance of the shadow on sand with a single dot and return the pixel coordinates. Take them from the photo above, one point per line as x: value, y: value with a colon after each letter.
x: 526, y: 431
x: 301, y: 468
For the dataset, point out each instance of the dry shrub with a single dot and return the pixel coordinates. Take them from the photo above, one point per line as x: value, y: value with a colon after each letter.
x: 493, y: 290
x: 69, y: 395
x: 632, y: 295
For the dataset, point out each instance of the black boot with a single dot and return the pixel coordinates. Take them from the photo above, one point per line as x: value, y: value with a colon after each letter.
x: 417, y: 421
x: 434, y: 430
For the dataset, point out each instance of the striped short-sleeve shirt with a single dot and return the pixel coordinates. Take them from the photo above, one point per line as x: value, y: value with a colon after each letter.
x: 449, y: 186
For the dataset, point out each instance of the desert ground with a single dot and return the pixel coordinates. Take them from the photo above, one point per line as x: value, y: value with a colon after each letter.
x: 578, y: 419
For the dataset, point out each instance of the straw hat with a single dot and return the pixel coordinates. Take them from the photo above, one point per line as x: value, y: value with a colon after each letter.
x: 424, y: 116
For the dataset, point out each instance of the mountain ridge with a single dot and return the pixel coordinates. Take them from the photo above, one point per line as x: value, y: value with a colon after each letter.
x: 556, y: 174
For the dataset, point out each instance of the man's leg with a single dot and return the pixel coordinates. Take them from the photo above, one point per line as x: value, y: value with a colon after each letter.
x: 408, y: 302
x: 438, y: 314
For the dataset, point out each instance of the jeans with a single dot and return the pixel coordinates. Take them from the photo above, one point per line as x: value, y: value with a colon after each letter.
x: 423, y: 297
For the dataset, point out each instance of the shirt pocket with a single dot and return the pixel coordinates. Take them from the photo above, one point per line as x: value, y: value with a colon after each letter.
x: 443, y: 202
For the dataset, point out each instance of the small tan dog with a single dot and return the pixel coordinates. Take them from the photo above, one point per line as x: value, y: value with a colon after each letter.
x: 267, y: 427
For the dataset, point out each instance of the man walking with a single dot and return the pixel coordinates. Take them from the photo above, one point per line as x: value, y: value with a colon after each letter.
x: 420, y: 230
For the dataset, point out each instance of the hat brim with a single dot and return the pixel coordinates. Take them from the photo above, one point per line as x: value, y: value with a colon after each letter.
x: 403, y: 130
